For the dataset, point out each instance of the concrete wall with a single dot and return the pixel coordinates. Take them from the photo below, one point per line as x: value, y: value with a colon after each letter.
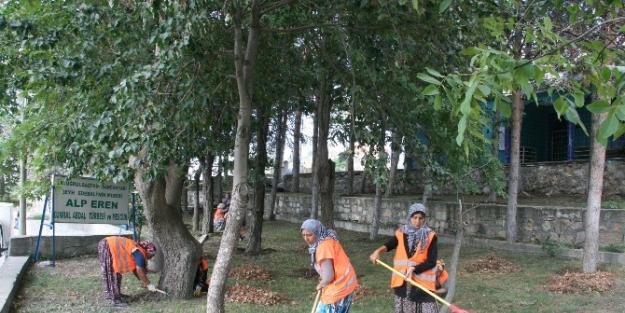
x: 66, y: 245
x: 488, y: 221
x: 536, y: 178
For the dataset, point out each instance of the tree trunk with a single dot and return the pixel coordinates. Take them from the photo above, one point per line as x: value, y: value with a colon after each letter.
x: 452, y: 266
x: 518, y: 106
x: 405, y: 176
x: 492, y: 195
x: 196, y: 199
x: 595, y: 190
x: 184, y: 198
x: 325, y: 173
x: 314, y: 201
x: 363, y: 182
x: 220, y: 176
x: 396, y: 151
x: 352, y: 150
x: 326, y: 192
x: 181, y: 251
x: 377, y: 212
x: 297, y: 135
x: 260, y: 163
x: 277, y: 172
x: 208, y: 189
x: 244, y: 65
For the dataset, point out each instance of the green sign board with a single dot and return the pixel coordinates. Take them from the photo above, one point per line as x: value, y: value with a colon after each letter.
x: 88, y: 201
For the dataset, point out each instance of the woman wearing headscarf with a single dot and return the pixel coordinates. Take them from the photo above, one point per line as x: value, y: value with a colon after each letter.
x: 119, y: 255
x: 338, y: 278
x: 415, y: 255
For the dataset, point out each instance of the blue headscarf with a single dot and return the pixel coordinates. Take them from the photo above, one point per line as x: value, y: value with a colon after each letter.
x: 321, y: 234
x: 416, y: 236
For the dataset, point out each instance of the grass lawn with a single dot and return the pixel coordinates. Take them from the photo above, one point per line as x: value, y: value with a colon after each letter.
x: 74, y: 284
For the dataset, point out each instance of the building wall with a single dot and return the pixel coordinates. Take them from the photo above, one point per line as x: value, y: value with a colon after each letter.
x: 536, y: 224
x: 552, y: 178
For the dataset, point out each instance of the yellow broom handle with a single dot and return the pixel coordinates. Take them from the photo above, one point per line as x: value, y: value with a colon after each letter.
x: 314, y: 308
x: 414, y: 283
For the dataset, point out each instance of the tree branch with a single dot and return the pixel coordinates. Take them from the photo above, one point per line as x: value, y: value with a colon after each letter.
x: 273, y: 6
x: 576, y: 39
x: 294, y: 29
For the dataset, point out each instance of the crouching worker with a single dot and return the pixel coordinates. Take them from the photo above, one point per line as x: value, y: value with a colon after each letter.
x: 219, y: 220
x: 200, y: 284
x: 119, y: 255
x: 441, y: 279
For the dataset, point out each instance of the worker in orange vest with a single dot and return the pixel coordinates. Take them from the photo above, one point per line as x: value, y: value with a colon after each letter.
x: 119, y: 255
x: 200, y: 284
x: 338, y: 278
x: 415, y: 256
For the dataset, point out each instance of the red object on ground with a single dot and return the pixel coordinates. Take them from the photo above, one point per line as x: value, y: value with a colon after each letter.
x: 456, y: 309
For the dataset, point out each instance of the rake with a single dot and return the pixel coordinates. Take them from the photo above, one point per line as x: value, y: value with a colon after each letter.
x: 452, y: 307
x: 314, y: 308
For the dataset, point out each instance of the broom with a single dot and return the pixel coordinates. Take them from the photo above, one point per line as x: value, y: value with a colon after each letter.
x: 452, y: 307
x: 314, y: 308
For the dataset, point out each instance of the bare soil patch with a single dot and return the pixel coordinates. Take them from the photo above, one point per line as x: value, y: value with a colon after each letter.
x: 260, y: 296
x: 304, y: 273
x: 490, y: 263
x: 364, y: 292
x: 581, y: 283
x: 250, y: 272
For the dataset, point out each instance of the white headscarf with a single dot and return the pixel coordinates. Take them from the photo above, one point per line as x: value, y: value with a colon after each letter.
x: 416, y: 236
x: 321, y: 234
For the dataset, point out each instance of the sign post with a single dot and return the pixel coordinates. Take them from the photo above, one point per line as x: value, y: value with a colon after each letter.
x: 87, y: 201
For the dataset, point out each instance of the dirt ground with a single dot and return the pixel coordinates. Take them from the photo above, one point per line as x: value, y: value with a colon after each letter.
x: 570, y: 280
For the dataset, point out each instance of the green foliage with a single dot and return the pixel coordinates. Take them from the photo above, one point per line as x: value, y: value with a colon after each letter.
x: 613, y: 204
x: 543, y: 53
x: 613, y: 248
x: 552, y: 248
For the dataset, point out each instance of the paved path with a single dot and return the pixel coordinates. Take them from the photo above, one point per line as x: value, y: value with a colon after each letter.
x: 13, y: 268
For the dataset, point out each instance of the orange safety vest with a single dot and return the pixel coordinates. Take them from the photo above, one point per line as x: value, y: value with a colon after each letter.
x: 441, y: 279
x: 203, y: 265
x: 204, y: 268
x: 401, y: 262
x: 219, y: 214
x: 345, y: 280
x: 121, y: 253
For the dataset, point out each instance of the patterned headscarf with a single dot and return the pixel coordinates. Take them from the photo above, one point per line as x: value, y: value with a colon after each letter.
x: 148, y: 246
x: 321, y: 234
x: 415, y: 235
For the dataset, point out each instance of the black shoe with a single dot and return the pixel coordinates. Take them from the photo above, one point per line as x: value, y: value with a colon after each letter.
x: 120, y: 304
x: 124, y: 295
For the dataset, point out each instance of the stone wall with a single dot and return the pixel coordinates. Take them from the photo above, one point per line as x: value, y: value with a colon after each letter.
x: 535, y: 224
x: 550, y: 178
x: 65, y: 246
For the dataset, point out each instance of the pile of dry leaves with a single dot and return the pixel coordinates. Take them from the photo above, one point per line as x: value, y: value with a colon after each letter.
x: 490, y: 264
x: 581, y: 283
x: 363, y: 292
x: 250, y: 272
x: 249, y: 294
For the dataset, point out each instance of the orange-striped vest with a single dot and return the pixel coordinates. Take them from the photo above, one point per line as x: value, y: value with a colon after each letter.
x: 219, y: 214
x: 401, y: 262
x: 344, y: 275
x: 204, y: 267
x: 121, y: 253
x: 440, y: 280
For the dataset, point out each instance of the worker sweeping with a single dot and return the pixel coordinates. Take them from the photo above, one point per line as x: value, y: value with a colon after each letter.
x: 200, y: 284
x: 119, y: 255
x: 415, y: 257
x: 338, y: 279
